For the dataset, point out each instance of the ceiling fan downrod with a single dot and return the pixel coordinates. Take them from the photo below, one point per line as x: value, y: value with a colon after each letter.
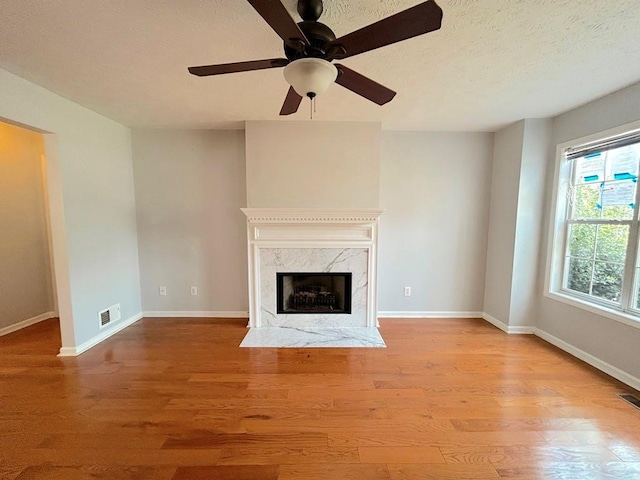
x: 310, y: 10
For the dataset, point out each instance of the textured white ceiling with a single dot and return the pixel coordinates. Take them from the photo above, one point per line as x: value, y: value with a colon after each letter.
x: 492, y: 63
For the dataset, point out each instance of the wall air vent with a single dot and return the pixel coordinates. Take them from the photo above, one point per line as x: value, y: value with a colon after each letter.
x: 633, y: 400
x: 105, y: 317
x: 111, y: 314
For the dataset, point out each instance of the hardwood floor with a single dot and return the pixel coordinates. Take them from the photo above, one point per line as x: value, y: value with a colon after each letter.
x: 177, y: 399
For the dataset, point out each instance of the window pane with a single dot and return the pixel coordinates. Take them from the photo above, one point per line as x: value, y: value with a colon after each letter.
x: 617, y: 198
x: 585, y: 201
x: 579, y: 275
x: 607, y: 280
x: 619, y: 212
x: 623, y: 162
x: 590, y: 168
x: 582, y: 241
x: 612, y: 243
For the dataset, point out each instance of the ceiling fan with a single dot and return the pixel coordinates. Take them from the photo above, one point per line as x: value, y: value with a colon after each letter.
x: 310, y: 47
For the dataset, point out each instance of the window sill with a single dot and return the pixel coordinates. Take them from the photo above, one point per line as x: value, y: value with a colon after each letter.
x: 611, y: 313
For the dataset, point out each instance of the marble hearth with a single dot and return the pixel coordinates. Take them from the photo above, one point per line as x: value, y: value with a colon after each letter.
x: 306, y: 240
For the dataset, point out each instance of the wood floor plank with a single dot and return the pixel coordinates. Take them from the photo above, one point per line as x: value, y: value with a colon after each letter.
x: 594, y: 437
x: 287, y: 381
x: 226, y: 472
x: 442, y: 472
x: 177, y: 398
x: 581, y: 471
x: 263, y: 413
x: 526, y: 454
x: 202, y: 404
x: 206, y: 439
x: 613, y: 416
x: 400, y: 455
x: 523, y: 424
x: 105, y: 441
x: 490, y: 412
x: 336, y: 471
x: 48, y: 472
x: 121, y: 458
x: 259, y: 455
x: 356, y: 394
x: 409, y: 438
x: 333, y: 424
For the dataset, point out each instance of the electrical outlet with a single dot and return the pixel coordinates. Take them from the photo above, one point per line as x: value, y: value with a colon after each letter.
x: 194, y: 290
x: 407, y: 291
x: 163, y: 290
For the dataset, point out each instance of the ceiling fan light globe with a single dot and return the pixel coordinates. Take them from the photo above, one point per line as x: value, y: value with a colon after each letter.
x: 310, y: 76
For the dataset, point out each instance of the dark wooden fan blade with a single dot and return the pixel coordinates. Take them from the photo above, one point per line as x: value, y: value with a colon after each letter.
x: 278, y: 18
x: 423, y: 18
x: 291, y: 103
x: 363, y: 86
x: 206, y: 70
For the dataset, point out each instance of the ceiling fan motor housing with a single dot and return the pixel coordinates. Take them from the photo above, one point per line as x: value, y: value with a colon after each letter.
x: 319, y: 36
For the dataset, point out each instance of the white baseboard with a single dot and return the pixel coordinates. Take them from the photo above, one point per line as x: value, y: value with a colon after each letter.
x: 495, y: 322
x: 26, y: 323
x: 102, y: 336
x: 607, y: 368
x: 430, y: 314
x: 521, y: 330
x: 191, y: 314
x: 506, y: 328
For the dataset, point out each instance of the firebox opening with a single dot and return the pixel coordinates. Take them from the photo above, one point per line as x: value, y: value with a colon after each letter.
x: 313, y: 292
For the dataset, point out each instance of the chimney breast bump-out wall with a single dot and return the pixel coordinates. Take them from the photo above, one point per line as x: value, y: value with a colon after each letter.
x: 313, y: 164
x: 313, y: 191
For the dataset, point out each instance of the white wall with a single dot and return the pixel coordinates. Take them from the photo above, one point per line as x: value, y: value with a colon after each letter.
x: 435, y: 191
x: 190, y: 187
x: 606, y: 339
x: 313, y: 164
x: 517, y: 200
x: 25, y: 273
x: 92, y: 205
x: 530, y: 217
x: 505, y: 181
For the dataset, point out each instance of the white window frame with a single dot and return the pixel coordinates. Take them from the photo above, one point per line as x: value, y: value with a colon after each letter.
x: 553, y: 287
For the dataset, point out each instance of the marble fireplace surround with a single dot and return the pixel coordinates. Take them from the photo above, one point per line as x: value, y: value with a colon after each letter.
x: 312, y: 240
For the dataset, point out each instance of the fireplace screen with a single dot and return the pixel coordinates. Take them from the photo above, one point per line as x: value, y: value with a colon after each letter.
x: 314, y: 292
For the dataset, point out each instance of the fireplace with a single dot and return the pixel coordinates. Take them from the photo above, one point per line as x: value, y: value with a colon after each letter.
x: 313, y: 292
x: 312, y: 268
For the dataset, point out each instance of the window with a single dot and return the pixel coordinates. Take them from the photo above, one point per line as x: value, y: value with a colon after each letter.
x: 596, y: 244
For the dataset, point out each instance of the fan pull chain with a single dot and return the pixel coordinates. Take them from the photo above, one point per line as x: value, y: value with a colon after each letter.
x: 312, y: 104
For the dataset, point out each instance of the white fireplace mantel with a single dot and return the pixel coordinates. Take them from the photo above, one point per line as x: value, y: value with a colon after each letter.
x: 310, y: 235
